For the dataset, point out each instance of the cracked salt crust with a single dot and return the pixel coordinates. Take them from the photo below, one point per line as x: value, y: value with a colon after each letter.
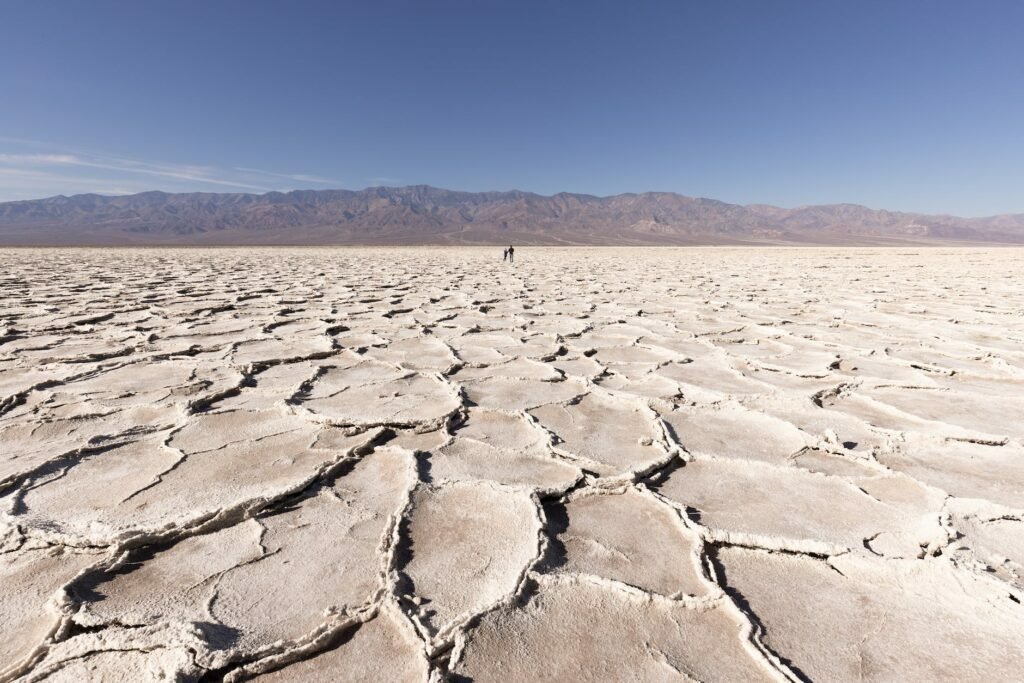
x: 425, y: 464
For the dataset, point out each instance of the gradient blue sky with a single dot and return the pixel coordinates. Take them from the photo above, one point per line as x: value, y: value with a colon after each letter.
x: 904, y: 105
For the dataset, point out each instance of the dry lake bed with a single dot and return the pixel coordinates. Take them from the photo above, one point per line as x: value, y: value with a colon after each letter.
x: 592, y: 465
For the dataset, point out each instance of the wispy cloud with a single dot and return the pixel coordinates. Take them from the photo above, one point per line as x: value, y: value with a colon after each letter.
x: 383, y: 180
x: 38, y: 159
x: 301, y: 177
x: 198, y: 174
x: 48, y: 172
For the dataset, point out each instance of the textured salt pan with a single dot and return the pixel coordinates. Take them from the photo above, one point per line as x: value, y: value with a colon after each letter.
x: 428, y: 464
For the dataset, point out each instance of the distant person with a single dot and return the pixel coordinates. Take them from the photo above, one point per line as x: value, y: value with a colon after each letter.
x: 504, y: 255
x: 511, y: 254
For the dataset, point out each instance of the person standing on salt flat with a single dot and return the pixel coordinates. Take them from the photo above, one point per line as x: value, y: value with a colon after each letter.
x: 504, y: 255
x: 511, y: 254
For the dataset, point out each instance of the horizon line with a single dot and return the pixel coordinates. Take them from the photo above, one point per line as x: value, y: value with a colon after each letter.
x: 509, y: 191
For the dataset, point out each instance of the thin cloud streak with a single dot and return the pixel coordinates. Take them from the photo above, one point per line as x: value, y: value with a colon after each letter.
x: 22, y: 165
x: 292, y: 176
x: 196, y: 174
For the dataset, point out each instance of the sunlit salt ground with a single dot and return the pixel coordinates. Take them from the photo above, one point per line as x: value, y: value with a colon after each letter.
x: 591, y: 465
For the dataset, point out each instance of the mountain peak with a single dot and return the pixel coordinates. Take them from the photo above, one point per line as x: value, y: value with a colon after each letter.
x: 423, y: 214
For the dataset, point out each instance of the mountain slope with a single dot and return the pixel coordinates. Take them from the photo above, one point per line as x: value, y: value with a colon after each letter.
x: 427, y: 215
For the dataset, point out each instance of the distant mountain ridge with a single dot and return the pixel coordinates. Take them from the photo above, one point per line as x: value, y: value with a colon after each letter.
x: 426, y: 215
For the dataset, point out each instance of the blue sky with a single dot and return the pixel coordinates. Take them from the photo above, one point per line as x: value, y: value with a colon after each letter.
x: 911, y: 105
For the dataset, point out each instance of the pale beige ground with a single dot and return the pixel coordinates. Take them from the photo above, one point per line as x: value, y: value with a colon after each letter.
x: 594, y: 465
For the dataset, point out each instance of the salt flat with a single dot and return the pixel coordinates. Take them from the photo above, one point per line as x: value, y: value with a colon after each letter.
x: 591, y: 465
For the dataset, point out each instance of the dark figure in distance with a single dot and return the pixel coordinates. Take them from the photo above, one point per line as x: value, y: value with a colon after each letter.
x: 511, y: 254
x: 504, y: 255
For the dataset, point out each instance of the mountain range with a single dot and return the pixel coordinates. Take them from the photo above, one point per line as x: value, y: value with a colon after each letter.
x: 426, y: 215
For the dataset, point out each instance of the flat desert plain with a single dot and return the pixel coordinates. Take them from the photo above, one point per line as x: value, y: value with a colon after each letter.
x: 590, y: 465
